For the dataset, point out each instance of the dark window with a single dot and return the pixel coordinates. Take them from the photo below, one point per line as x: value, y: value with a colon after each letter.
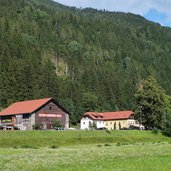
x: 26, y: 116
x: 50, y: 107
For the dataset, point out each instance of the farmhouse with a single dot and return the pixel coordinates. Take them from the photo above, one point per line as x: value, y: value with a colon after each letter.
x: 26, y: 114
x: 108, y: 120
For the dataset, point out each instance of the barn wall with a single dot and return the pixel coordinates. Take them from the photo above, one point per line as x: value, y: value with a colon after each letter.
x: 48, y: 114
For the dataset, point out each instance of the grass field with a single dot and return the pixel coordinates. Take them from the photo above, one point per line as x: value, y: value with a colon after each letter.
x: 37, y: 139
x: 86, y: 151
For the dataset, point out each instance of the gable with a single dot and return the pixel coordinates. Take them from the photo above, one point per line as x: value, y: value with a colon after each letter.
x: 30, y: 106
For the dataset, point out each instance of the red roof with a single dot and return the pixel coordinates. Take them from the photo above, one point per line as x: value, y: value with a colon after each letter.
x: 109, y: 115
x: 24, y: 107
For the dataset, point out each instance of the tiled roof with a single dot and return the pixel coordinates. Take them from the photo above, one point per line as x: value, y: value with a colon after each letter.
x: 109, y: 115
x: 24, y: 107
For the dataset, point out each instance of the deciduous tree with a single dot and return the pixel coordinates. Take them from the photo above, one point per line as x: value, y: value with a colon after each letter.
x: 150, y: 104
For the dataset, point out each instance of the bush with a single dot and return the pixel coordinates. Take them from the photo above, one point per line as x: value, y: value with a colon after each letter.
x: 36, y: 126
x: 155, y: 131
x: 57, y: 123
x: 99, y: 145
x: 107, y: 145
x: 118, y: 144
x: 167, y: 132
x: 54, y: 146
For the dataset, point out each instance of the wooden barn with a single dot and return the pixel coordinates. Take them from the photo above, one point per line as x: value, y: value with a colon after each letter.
x: 26, y: 114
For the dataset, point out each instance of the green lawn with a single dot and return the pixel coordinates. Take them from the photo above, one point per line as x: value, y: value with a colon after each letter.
x: 37, y: 139
x: 84, y: 151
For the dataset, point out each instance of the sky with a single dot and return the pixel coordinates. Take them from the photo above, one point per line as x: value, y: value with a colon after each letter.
x: 158, y: 11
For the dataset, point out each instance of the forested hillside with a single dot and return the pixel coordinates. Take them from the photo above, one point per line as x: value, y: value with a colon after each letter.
x: 87, y: 59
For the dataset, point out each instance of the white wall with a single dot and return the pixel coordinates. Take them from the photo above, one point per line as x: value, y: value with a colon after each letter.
x: 100, y: 124
x: 66, y: 121
x: 85, y: 123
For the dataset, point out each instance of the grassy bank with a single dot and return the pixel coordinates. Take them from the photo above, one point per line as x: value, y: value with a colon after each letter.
x: 99, y: 157
x: 37, y: 139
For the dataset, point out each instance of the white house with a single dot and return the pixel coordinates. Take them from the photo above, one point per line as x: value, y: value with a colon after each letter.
x: 109, y: 120
x: 87, y: 121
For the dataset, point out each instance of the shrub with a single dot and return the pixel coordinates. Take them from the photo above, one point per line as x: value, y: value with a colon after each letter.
x: 155, y: 131
x: 118, y: 144
x: 99, y: 145
x: 57, y: 123
x: 54, y: 146
x: 167, y: 132
x: 36, y: 126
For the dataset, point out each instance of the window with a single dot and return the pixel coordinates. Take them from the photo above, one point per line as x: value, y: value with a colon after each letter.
x: 50, y: 108
x: 26, y: 116
x: 83, y: 123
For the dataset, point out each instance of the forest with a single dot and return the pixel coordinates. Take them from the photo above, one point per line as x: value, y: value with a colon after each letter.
x: 87, y: 59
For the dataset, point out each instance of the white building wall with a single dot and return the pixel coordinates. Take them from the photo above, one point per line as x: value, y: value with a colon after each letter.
x: 100, y: 124
x: 85, y: 123
x: 66, y: 121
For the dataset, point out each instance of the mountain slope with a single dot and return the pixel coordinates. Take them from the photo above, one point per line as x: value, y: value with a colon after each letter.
x: 100, y: 57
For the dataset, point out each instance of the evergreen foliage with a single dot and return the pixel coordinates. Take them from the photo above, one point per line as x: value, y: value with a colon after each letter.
x: 85, y: 58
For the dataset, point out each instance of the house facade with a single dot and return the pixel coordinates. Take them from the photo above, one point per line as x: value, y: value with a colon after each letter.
x: 109, y: 120
x: 87, y: 123
x: 42, y: 113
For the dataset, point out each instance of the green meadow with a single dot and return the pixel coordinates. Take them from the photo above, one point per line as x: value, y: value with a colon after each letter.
x: 38, y: 139
x: 84, y: 151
